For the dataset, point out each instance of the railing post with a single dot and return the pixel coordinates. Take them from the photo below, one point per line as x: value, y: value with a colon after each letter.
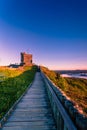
x: 65, y: 128
x: 61, y: 122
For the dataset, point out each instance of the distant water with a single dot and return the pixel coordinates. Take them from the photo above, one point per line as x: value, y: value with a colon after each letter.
x: 73, y: 73
x: 74, y: 76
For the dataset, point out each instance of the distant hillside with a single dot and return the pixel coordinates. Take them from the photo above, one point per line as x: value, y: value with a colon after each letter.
x: 70, y: 71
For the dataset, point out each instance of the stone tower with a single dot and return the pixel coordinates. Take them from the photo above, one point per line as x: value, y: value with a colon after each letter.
x: 26, y: 59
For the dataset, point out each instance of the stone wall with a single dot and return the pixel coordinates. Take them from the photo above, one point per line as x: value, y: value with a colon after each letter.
x: 26, y: 59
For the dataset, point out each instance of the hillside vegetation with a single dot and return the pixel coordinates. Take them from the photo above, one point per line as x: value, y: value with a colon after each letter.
x: 13, y: 82
x: 74, y: 88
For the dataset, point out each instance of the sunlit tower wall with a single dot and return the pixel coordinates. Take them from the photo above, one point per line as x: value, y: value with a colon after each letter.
x: 26, y: 59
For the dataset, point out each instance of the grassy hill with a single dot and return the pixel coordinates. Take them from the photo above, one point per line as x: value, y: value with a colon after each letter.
x: 13, y: 82
x: 74, y: 88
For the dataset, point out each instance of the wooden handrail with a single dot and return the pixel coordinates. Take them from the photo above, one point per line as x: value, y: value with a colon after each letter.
x: 63, y: 121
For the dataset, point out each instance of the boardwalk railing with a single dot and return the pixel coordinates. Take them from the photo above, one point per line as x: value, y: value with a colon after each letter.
x: 67, y: 118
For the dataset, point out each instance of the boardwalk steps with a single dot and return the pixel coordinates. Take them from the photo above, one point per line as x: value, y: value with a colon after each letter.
x: 33, y: 112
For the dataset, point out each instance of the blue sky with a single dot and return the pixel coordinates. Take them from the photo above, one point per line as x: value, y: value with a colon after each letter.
x: 54, y: 31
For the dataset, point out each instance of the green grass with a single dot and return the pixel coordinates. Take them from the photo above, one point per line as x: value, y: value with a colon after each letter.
x: 75, y: 88
x: 13, y: 84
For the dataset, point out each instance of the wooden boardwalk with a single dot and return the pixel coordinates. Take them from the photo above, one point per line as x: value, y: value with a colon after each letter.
x: 33, y: 112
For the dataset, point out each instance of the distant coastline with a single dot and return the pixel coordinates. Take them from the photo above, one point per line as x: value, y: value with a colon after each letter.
x: 73, y: 73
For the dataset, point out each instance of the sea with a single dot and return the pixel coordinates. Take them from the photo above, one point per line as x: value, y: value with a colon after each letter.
x: 73, y: 73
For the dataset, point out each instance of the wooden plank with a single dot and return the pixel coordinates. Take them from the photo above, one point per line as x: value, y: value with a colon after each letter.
x: 27, y: 127
x: 38, y: 123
